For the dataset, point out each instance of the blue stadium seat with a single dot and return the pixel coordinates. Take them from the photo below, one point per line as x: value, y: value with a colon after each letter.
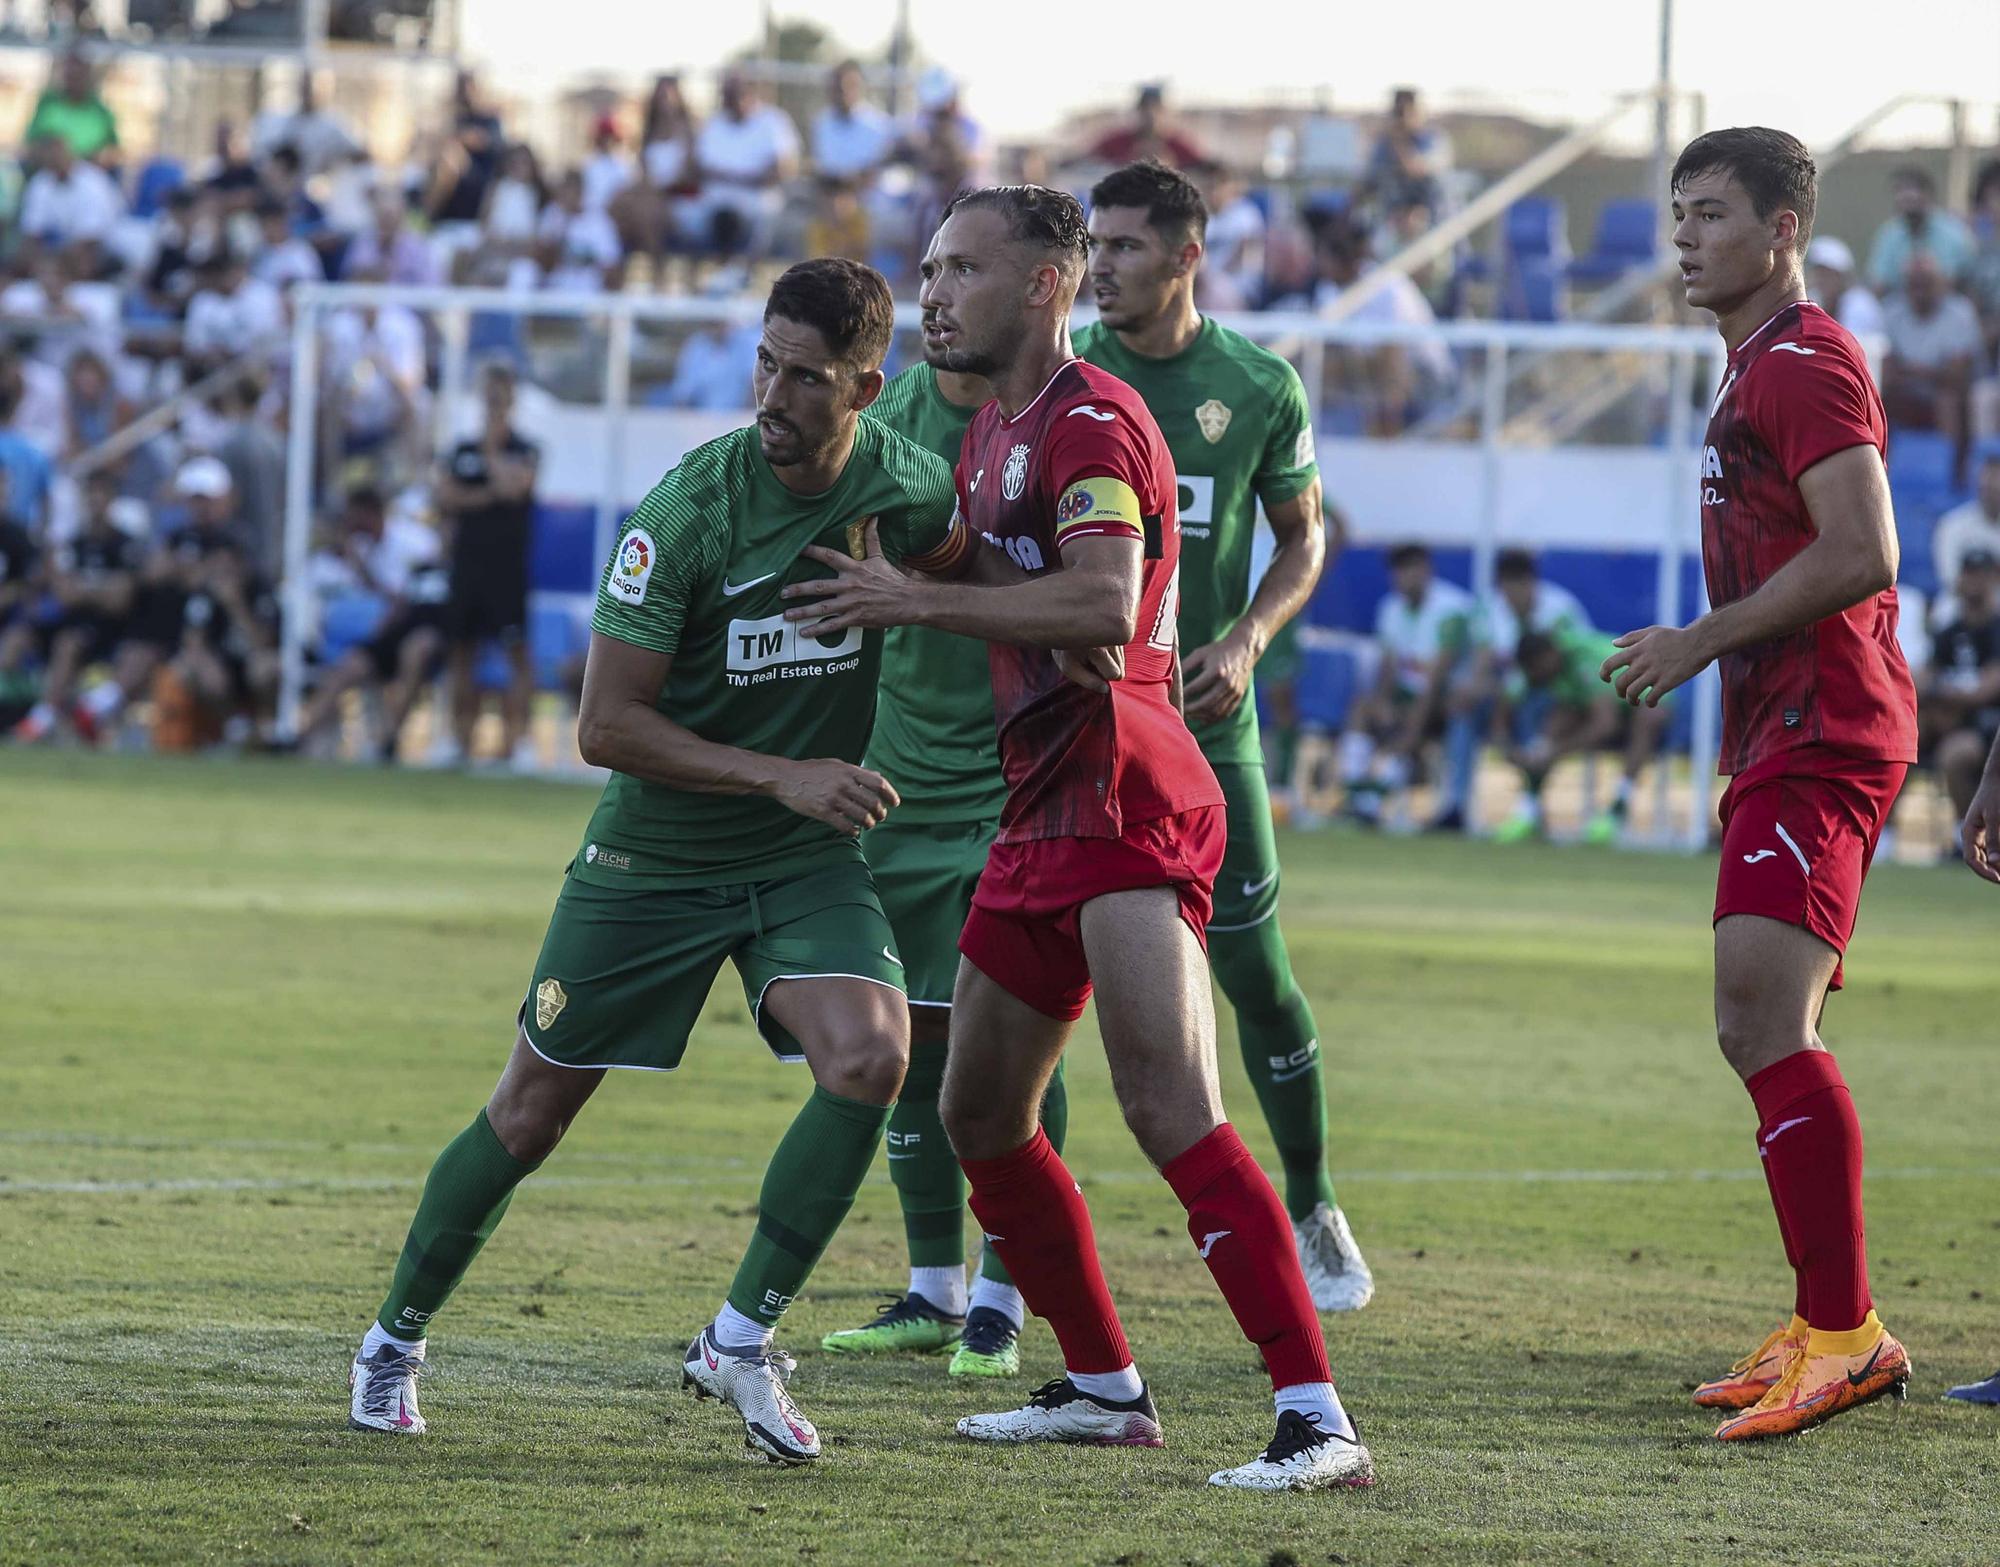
x: 558, y: 630
x: 1535, y: 228
x: 1326, y: 689
x: 1534, y: 237
x: 563, y: 558
x: 158, y: 180
x: 496, y: 333
x: 1628, y: 236
x: 1535, y: 290
x: 348, y: 621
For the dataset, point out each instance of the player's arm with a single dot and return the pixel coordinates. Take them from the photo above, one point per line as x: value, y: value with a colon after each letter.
x: 1852, y: 558
x: 1218, y: 675
x: 1981, y: 832
x: 620, y: 727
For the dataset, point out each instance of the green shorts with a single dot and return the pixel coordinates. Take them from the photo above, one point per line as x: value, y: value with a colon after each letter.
x: 1246, y: 888
x: 925, y: 872
x: 624, y: 972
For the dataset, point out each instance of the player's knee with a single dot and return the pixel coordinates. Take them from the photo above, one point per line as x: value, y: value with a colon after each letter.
x: 528, y: 1120
x: 978, y: 1123
x: 864, y: 1061
x: 1166, y: 1126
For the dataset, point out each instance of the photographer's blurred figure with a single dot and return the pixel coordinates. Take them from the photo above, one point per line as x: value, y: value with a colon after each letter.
x: 1555, y: 706
x: 486, y: 491
x: 1958, y: 695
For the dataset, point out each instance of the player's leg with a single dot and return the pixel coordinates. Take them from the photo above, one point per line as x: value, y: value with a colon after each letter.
x: 1795, y: 851
x: 1159, y: 1040
x: 517, y: 701
x: 1535, y: 719
x: 1961, y: 757
x: 1280, y: 1040
x: 416, y: 664
x: 1470, y: 716
x: 1004, y: 1049
x: 989, y: 1347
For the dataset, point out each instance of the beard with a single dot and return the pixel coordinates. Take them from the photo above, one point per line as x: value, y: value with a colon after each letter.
x: 961, y: 359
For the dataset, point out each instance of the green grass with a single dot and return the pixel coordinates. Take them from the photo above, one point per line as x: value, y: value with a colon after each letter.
x: 242, y: 1006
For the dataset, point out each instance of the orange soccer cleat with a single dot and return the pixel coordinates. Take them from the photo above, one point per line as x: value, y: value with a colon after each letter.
x: 1834, y: 1372
x: 1757, y: 1372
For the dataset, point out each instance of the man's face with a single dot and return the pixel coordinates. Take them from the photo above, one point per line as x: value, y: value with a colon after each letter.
x: 366, y: 522
x: 75, y: 76
x: 737, y: 97
x: 1132, y: 267
x: 806, y: 398
x: 1924, y: 283
x: 845, y: 91
x: 977, y: 278
x: 1519, y: 592
x: 211, y: 513
x: 1727, y: 251
x: 56, y: 153
x: 1411, y: 578
x: 1541, y: 664
x: 1975, y: 588
x: 1912, y: 200
x: 498, y: 395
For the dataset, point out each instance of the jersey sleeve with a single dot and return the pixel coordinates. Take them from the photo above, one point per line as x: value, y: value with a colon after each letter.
x: 1810, y: 404
x: 1289, y: 463
x: 923, y: 533
x: 669, y: 544
x: 1097, y: 465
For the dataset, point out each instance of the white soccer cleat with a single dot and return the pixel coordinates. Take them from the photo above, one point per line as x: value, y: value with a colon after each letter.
x: 1302, y: 1457
x: 1060, y: 1411
x: 385, y: 1392
x: 1336, y: 1273
x: 753, y: 1386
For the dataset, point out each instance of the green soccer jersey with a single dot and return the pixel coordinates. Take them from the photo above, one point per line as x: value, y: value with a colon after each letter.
x: 1236, y: 419
x: 1584, y: 651
x: 935, y: 738
x: 698, y: 573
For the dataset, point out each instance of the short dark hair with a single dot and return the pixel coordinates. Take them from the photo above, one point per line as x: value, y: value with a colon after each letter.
x: 1173, y: 205
x: 1409, y: 555
x: 1533, y: 645
x: 847, y: 303
x: 1512, y: 564
x: 366, y: 497
x: 1036, y: 215
x: 1772, y: 166
x: 1915, y: 175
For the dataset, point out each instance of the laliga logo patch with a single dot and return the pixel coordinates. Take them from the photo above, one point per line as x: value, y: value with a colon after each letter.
x: 1014, y: 477
x: 1076, y: 503
x: 632, y: 568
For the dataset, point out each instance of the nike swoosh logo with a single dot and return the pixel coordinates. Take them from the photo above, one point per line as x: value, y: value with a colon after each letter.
x: 895, y: 1156
x: 1793, y: 348
x: 1856, y: 1378
x: 708, y: 1355
x: 1252, y: 888
x: 1208, y: 1241
x: 1286, y: 1077
x: 731, y: 589
x: 1761, y: 854
x: 1090, y: 412
x: 892, y: 957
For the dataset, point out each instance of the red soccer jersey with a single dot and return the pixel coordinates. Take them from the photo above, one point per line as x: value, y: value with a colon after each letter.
x: 1796, y: 392
x: 1084, y: 459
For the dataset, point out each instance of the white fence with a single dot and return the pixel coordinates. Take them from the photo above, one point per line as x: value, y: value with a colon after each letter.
x: 1490, y: 479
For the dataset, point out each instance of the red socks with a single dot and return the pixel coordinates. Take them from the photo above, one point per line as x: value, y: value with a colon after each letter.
x: 1239, y: 1227
x: 1033, y: 1212
x: 1810, y: 1140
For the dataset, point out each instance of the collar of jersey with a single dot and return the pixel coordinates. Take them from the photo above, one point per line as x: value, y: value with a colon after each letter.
x: 1007, y: 423
x: 1799, y: 304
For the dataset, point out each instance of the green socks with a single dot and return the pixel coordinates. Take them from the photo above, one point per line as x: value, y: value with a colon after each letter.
x: 929, y: 1183
x: 1281, y: 1053
x: 464, y: 1197
x: 808, y: 1187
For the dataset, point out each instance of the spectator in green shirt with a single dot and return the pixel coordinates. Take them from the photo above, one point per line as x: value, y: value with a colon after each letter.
x: 70, y: 109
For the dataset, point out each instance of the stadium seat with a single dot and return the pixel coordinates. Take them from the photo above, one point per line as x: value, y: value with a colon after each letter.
x: 1327, y: 687
x: 496, y: 333
x: 1628, y: 236
x: 1534, y: 238
x: 563, y: 558
x: 558, y: 630
x: 349, y: 620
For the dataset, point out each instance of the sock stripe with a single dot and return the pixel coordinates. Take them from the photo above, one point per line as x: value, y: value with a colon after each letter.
x: 785, y: 1238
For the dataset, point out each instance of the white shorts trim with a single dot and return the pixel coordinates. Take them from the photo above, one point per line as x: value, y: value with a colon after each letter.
x: 757, y: 1013
x: 521, y: 1028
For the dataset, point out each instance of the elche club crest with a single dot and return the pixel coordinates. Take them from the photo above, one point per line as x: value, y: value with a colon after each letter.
x: 1014, y: 477
x: 1213, y: 416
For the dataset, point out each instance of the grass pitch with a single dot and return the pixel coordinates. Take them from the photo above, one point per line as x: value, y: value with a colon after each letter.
x: 242, y: 1006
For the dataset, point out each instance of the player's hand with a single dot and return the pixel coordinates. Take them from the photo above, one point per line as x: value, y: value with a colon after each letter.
x: 1981, y: 831
x: 1217, y: 678
x: 868, y: 592
x: 848, y: 799
x: 1652, y: 662
x: 1093, y: 668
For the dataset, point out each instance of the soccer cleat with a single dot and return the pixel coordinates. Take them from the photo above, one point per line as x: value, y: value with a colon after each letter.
x: 753, y: 1386
x: 1604, y: 828
x: 1518, y: 829
x: 1302, y: 1457
x: 1756, y: 1373
x: 1818, y: 1385
x: 1060, y: 1411
x: 1987, y: 1392
x: 1337, y: 1275
x: 385, y: 1392
x: 906, y: 1323
x: 989, y: 1347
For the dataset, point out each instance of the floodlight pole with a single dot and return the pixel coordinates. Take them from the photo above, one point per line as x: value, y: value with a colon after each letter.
x: 1663, y: 104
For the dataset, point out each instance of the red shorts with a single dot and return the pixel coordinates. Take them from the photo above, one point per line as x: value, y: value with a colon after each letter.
x: 1799, y: 831
x: 1024, y: 932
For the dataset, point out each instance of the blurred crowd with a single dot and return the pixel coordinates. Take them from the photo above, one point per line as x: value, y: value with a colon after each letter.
x: 140, y: 550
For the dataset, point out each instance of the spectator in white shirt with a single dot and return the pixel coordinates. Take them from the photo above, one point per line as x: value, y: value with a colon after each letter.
x: 68, y: 198
x: 1934, y: 343
x: 1839, y: 291
x: 389, y: 248
x: 744, y: 155
x: 713, y: 370
x: 944, y: 142
x: 319, y: 136
x: 375, y: 370
x: 231, y: 313
x: 1396, y: 380
x: 580, y: 252
x: 607, y: 170
x: 1233, y: 269
x: 285, y: 258
x: 851, y: 138
x: 653, y: 212
x: 1973, y: 526
x: 513, y: 220
x: 69, y: 314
